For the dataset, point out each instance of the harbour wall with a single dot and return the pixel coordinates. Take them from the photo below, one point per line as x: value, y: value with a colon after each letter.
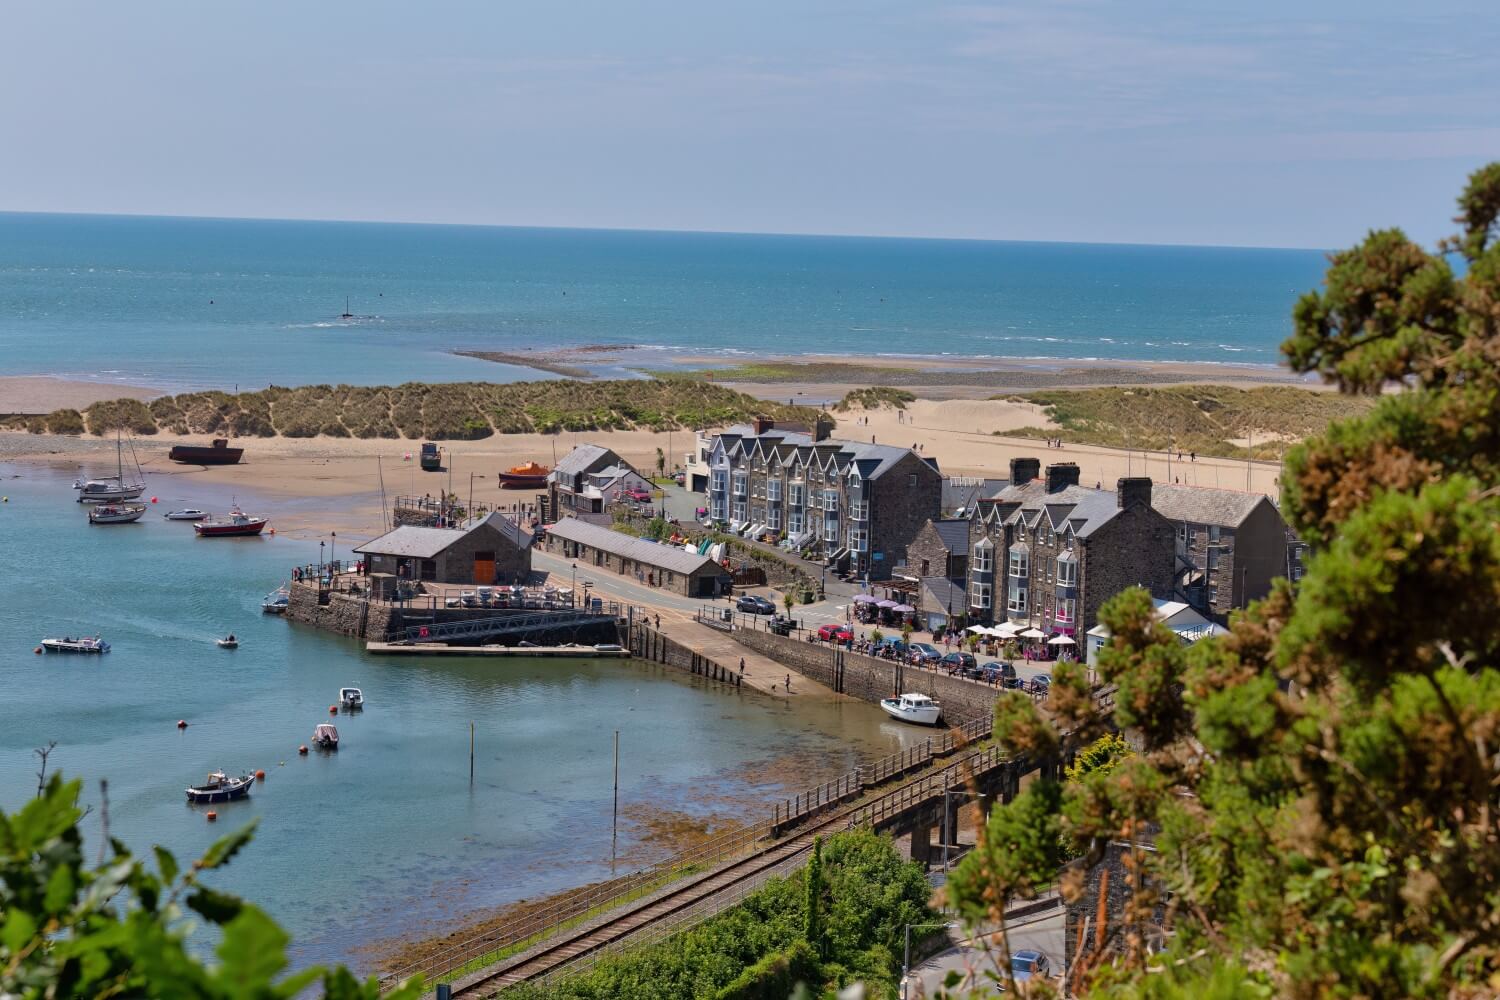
x: 647, y: 643
x: 869, y: 678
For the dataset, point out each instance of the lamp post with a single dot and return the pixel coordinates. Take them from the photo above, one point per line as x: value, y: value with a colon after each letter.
x: 333, y: 547
x: 573, y: 587
x: 906, y: 952
x: 321, y: 562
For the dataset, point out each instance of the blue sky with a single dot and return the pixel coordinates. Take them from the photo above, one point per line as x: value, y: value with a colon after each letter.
x: 1272, y: 123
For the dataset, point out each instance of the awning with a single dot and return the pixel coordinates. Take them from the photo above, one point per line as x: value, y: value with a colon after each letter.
x: 1033, y: 633
x: 976, y: 629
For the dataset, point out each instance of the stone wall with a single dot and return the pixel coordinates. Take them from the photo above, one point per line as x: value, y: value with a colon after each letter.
x: 928, y: 555
x: 899, y: 508
x: 647, y: 643
x: 1136, y: 548
x: 868, y: 678
x: 1083, y: 913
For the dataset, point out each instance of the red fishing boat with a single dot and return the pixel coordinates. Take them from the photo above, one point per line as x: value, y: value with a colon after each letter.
x: 524, y: 477
x: 236, y: 522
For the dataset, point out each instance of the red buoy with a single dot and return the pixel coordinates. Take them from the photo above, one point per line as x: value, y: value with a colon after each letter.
x: 37, y: 650
x: 212, y: 816
x: 302, y: 750
x: 153, y: 499
x: 333, y: 710
x: 181, y: 724
x: 260, y: 776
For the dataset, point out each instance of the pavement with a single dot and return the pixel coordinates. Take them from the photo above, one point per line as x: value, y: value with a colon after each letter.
x: 970, y: 958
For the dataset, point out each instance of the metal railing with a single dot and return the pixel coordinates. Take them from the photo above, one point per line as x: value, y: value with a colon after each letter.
x: 917, y: 792
x: 513, y: 624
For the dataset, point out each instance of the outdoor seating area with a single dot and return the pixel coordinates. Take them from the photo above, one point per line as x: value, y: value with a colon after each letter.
x: 870, y: 610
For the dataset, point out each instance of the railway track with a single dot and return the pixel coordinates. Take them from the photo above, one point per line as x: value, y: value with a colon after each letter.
x: 611, y: 930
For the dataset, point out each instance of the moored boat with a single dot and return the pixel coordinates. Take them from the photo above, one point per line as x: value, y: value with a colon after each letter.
x: 219, y: 453
x: 220, y: 788
x: 520, y: 477
x: 914, y: 708
x: 351, y: 698
x: 71, y: 645
x: 116, y: 513
x: 228, y: 642
x: 236, y: 522
x: 276, y: 601
x: 326, y: 736
x: 187, y: 514
x: 112, y: 489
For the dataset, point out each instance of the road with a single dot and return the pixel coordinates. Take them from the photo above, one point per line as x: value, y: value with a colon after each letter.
x: 970, y: 959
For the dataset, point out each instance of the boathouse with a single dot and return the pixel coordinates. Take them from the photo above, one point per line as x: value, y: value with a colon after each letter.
x: 669, y: 566
x: 495, y: 549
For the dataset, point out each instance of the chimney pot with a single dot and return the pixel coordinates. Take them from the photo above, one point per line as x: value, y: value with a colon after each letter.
x: 1062, y: 475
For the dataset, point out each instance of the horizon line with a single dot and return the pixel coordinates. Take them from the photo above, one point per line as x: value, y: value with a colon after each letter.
x: 637, y: 229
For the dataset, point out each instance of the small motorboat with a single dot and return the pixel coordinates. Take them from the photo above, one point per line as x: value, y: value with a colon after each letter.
x: 351, y: 699
x: 71, y: 645
x: 522, y: 477
x: 228, y: 642
x: 914, y: 708
x: 221, y: 788
x: 236, y: 522
x: 116, y: 513
x: 326, y: 736
x: 276, y: 601
x: 187, y: 514
x: 608, y: 647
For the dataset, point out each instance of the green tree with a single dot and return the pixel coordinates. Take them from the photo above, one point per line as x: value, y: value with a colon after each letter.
x: 1319, y: 784
x: 787, y: 600
x: 812, y: 906
x: 120, y: 929
x: 661, y: 462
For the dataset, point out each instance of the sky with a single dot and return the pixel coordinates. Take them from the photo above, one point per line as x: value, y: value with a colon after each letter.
x: 1275, y: 123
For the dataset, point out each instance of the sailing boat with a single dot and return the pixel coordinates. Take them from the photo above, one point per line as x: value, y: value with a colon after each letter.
x: 113, y: 488
x: 346, y: 314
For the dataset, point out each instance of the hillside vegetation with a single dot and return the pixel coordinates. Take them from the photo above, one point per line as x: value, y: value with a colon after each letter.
x: 446, y: 411
x: 1207, y: 419
x: 874, y: 398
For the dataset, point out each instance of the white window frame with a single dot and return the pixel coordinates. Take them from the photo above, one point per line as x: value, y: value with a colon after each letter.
x: 719, y: 481
x: 1016, y: 600
x: 831, y: 500
x: 1020, y: 562
x: 794, y: 521
x: 773, y: 520
x: 740, y: 483
x: 1070, y: 578
x: 859, y: 539
x: 737, y: 510
x: 984, y: 556
x: 831, y: 531
x: 981, y: 596
x: 1067, y: 610
x: 859, y: 511
x: 773, y: 490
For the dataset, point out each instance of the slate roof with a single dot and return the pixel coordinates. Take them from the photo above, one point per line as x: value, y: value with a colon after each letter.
x: 872, y: 459
x: 939, y: 591
x: 954, y: 531
x: 583, y: 458
x: 411, y: 541
x: 967, y: 491
x: 668, y: 557
x: 1204, y: 504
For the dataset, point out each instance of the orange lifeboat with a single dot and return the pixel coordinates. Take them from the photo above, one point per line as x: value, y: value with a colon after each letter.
x: 524, y: 477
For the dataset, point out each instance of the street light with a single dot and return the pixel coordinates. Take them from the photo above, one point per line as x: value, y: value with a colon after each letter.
x: 573, y: 587
x: 906, y: 954
x: 333, y: 546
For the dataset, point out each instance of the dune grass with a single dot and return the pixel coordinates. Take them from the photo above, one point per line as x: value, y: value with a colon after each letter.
x: 1207, y: 419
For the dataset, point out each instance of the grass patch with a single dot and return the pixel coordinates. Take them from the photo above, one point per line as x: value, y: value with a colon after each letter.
x: 1207, y: 419
x: 875, y: 398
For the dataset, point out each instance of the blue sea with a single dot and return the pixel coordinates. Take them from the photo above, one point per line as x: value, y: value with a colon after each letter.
x: 212, y: 303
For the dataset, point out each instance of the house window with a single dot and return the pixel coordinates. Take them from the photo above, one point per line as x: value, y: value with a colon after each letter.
x: 981, y: 596
x: 794, y: 522
x: 830, y: 531
x: 1213, y: 532
x: 1020, y: 561
x: 774, y: 521
x: 720, y: 480
x: 859, y: 511
x: 739, y: 510
x: 984, y: 556
x: 911, y: 481
x: 853, y: 477
x: 741, y: 481
x: 1211, y: 595
x: 1213, y: 559
x: 773, y: 490
x: 717, y: 508
x: 859, y: 539
x: 926, y: 568
x: 830, y: 500
x: 1067, y: 572
x: 1067, y: 607
x: 1017, y: 603
x: 796, y: 490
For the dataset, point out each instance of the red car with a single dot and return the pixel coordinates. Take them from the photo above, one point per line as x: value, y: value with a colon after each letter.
x: 835, y: 633
x: 638, y: 495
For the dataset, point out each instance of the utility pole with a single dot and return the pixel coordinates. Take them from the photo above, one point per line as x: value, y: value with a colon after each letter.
x: 614, y: 832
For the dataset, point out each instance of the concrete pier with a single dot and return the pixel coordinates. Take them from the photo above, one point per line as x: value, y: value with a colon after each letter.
x: 439, y: 649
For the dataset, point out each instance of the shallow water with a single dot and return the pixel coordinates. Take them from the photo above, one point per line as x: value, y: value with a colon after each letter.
x: 387, y: 836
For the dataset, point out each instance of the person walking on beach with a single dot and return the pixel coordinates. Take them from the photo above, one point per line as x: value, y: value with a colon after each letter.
x: 742, y: 666
x: 789, y: 683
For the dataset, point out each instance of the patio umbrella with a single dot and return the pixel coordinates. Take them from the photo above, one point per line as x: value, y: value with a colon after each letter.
x: 1005, y: 630
x: 863, y: 599
x: 1060, y: 640
x: 886, y: 604
x: 903, y: 609
x: 976, y: 628
x: 1033, y: 633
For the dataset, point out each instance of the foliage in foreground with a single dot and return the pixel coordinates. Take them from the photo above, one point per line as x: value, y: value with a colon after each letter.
x: 436, y: 411
x: 119, y: 930
x: 1319, y: 785
x: 1207, y: 419
x: 865, y: 894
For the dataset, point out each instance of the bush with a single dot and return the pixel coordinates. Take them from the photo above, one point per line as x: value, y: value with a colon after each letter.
x: 776, y: 976
x: 65, y: 421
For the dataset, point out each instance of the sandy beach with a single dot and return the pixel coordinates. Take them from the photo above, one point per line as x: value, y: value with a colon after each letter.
x: 43, y: 393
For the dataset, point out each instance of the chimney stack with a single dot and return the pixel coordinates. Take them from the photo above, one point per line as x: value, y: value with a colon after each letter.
x: 763, y: 424
x: 1024, y: 470
x: 1132, y: 491
x: 1062, y: 475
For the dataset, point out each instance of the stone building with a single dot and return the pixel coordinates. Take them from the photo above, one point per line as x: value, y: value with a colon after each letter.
x: 940, y: 548
x: 659, y: 565
x: 493, y: 550
x: 1047, y: 552
x: 1230, y: 545
x: 856, y: 506
x: 589, y: 477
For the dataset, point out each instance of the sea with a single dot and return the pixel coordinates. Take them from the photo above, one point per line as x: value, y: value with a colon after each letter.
x: 182, y: 304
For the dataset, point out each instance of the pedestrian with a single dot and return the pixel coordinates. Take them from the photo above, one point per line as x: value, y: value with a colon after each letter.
x: 789, y: 682
x: 658, y: 628
x: 742, y: 665
x: 1193, y: 455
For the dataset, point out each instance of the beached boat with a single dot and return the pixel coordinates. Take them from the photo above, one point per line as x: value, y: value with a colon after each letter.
x: 187, y: 514
x: 523, y: 477
x: 112, y: 489
x: 276, y: 601
x: 430, y: 459
x: 71, y: 645
x: 351, y: 698
x: 220, y: 788
x: 326, y: 736
x: 218, y: 453
x: 236, y: 522
x: 914, y: 708
x: 228, y: 642
x: 116, y: 513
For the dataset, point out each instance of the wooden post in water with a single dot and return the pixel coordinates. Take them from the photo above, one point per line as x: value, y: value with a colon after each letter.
x: 471, y: 752
x: 614, y: 821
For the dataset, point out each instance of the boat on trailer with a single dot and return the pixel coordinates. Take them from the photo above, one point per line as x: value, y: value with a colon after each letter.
x: 917, y: 709
x: 521, y: 477
x: 220, y: 788
x: 71, y: 645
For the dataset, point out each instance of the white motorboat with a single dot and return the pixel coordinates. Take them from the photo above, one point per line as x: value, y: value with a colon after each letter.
x: 351, y: 698
x: 228, y: 642
x: 111, y: 489
x: 276, y: 601
x: 914, y: 708
x: 116, y: 513
x: 71, y: 645
x: 188, y: 514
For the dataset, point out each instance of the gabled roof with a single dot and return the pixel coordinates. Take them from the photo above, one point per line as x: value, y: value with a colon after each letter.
x: 1205, y: 504
x: 871, y: 460
x: 940, y: 593
x: 954, y: 531
x: 413, y: 542
x: 668, y: 557
x: 584, y: 458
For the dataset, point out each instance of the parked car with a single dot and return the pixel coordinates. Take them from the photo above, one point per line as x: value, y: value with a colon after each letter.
x: 922, y: 652
x: 782, y: 625
x: 835, y: 633
x: 996, y: 672
x: 1029, y: 962
x: 956, y: 661
x: 892, y: 642
x: 1040, y: 684
x: 638, y: 494
x: 754, y: 604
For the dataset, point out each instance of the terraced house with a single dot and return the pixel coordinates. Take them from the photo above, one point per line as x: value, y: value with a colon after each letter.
x: 856, y: 506
x: 1047, y: 552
